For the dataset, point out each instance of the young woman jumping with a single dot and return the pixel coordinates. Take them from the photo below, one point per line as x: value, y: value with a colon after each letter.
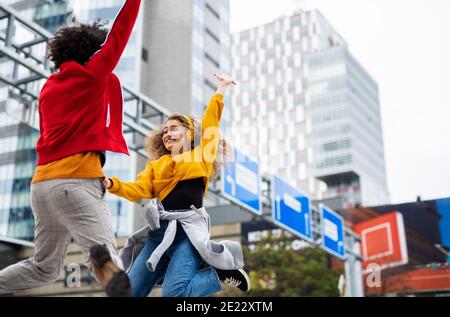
x: 178, y: 175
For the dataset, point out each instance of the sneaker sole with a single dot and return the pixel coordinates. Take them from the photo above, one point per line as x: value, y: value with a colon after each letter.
x: 246, y: 279
x: 119, y: 286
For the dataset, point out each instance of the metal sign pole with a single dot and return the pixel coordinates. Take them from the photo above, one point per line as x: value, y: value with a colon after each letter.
x: 353, y: 268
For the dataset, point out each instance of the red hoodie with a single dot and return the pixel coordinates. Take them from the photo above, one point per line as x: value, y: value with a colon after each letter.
x: 81, y: 106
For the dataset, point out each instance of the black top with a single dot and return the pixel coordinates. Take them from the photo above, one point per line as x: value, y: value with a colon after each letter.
x: 186, y: 193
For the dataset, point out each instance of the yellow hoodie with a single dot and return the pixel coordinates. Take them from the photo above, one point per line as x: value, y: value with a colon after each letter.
x: 162, y: 175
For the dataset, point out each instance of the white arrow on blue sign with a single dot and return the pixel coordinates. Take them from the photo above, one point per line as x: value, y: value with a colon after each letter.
x: 240, y: 182
x: 291, y: 209
x: 332, y: 227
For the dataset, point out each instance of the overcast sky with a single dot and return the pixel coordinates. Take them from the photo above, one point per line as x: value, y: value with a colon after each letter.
x: 405, y: 46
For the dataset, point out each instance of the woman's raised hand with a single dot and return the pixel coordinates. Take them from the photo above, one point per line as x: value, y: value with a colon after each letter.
x: 225, y: 82
x: 224, y: 79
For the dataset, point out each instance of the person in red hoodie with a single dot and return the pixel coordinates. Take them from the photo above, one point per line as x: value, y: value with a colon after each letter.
x: 81, y: 109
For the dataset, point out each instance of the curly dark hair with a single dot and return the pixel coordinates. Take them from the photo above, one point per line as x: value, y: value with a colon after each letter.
x: 76, y: 43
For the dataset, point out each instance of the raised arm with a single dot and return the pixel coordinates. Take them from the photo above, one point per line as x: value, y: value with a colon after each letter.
x: 210, y: 123
x: 134, y: 191
x: 106, y: 59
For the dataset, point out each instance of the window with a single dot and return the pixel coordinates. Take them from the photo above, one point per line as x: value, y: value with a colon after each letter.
x: 287, y: 24
x: 315, y: 43
x: 290, y: 62
x: 299, y: 114
x: 333, y: 146
x: 271, y: 92
x: 269, y: 28
x: 244, y: 48
x: 291, y: 88
x: 212, y: 60
x: 290, y: 102
x: 212, y: 35
x: 273, y: 147
x: 263, y: 134
x: 244, y: 36
x: 198, y: 40
x: 270, y: 41
x: 211, y: 9
x: 245, y: 99
x: 296, y: 34
x: 298, y: 87
x: 300, y: 142
x: 272, y: 120
x: 279, y: 89
x: 245, y: 60
x: 245, y: 73
x: 252, y: 57
x: 208, y: 83
x: 335, y: 161
x: 270, y: 54
x: 297, y: 60
x: 296, y: 21
x: 291, y: 130
x: 305, y: 44
x: 271, y: 66
x: 263, y: 69
x: 288, y: 48
x: 289, y: 36
x: 144, y: 54
x: 261, y: 56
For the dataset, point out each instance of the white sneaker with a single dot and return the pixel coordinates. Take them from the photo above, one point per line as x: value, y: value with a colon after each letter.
x: 237, y: 278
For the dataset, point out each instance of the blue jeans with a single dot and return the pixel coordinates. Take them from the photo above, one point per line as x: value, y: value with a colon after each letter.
x: 179, y: 266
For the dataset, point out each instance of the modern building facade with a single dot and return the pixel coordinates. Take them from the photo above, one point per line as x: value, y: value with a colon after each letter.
x: 184, y: 44
x: 307, y: 110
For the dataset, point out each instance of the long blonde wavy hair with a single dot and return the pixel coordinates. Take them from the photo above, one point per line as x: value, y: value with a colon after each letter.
x: 155, y: 147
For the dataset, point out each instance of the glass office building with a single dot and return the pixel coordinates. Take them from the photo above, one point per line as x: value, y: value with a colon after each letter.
x: 307, y: 110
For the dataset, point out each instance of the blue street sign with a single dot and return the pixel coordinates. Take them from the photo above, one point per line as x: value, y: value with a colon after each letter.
x: 240, y: 182
x: 332, y: 227
x: 291, y: 209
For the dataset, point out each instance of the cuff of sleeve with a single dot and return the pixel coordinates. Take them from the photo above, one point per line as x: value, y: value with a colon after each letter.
x: 115, y: 185
x: 218, y: 97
